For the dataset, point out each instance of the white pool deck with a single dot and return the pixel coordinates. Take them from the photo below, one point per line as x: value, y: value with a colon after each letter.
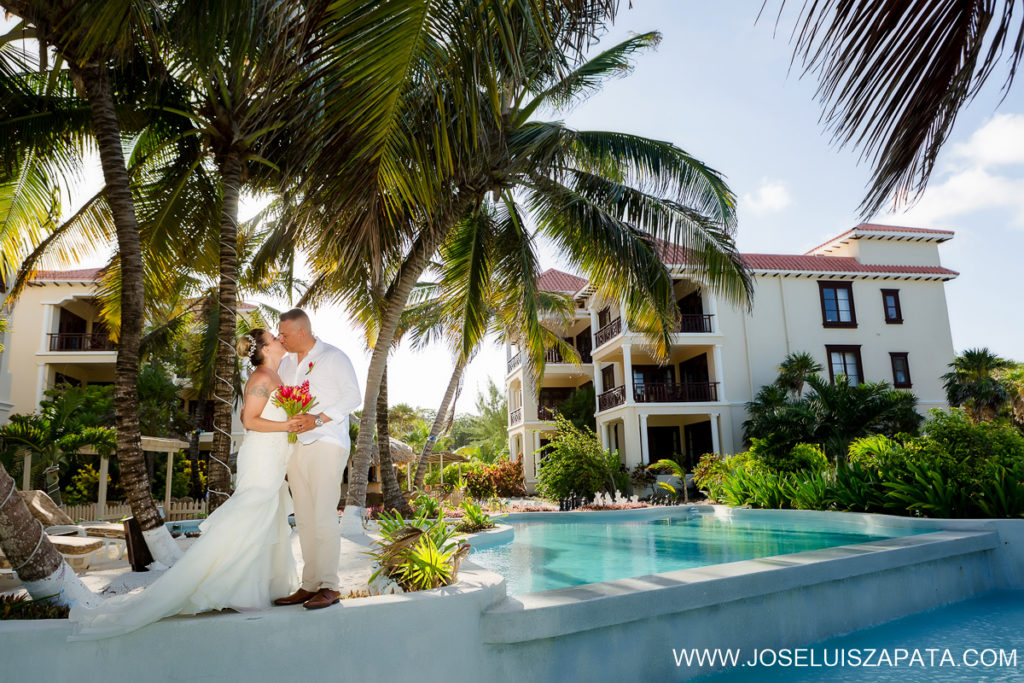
x: 611, y: 631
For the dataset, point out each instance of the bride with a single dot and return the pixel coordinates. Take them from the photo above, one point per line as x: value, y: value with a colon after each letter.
x: 243, y: 558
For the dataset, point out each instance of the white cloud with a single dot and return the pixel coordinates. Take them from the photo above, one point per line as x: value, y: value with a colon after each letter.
x: 998, y: 142
x: 770, y: 197
x: 978, y: 177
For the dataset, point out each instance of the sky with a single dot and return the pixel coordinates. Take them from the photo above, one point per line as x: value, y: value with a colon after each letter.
x: 720, y: 86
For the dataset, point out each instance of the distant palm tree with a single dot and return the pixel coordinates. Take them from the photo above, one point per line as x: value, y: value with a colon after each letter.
x: 795, y: 370
x: 974, y: 385
x: 894, y: 74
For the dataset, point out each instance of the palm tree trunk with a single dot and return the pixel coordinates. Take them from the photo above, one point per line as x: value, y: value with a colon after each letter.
x: 439, y: 420
x: 195, y: 485
x: 219, y: 474
x: 413, y: 266
x: 36, y: 562
x: 134, y: 479
x: 392, y: 492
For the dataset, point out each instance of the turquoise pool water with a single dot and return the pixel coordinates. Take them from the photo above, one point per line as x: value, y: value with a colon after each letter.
x: 975, y: 640
x: 549, y: 554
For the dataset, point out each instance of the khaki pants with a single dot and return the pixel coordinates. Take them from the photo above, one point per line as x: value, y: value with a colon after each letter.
x: 314, y: 476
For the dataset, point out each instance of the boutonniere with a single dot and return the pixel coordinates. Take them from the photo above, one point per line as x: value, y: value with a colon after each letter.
x: 310, y: 368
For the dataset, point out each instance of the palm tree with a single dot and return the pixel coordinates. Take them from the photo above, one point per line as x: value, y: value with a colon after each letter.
x: 37, y: 563
x: 894, y: 75
x: 795, y: 370
x: 603, y: 197
x: 487, y: 283
x: 973, y: 384
x: 95, y: 41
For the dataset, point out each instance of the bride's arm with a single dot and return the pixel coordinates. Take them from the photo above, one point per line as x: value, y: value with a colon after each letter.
x: 257, y: 393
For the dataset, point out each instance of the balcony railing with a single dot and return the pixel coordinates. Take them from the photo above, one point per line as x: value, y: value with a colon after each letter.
x: 553, y: 356
x: 664, y: 392
x: 546, y: 412
x: 515, y: 361
x: 611, y: 398
x: 695, y: 322
x: 516, y: 416
x: 80, y: 342
x: 608, y: 331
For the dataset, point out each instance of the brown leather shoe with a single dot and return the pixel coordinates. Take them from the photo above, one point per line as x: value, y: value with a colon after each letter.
x: 324, y: 597
x: 298, y: 597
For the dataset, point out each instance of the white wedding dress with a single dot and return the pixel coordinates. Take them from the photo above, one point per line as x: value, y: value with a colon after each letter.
x: 242, y: 560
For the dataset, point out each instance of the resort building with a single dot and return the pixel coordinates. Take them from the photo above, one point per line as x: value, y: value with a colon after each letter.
x: 55, y: 335
x: 869, y: 303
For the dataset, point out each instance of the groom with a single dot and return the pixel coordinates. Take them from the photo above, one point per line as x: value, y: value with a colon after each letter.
x: 316, y: 465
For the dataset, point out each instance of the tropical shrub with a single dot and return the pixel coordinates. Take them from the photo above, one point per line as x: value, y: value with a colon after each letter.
x: 418, y: 554
x: 479, y: 484
x: 473, y: 519
x: 85, y: 487
x: 19, y: 606
x: 574, y: 462
x: 642, y: 477
x: 509, y: 480
x: 708, y: 474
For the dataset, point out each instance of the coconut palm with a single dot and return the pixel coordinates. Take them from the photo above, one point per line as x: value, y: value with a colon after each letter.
x: 795, y: 370
x: 98, y: 42
x: 893, y: 75
x: 37, y: 563
x: 973, y: 384
x: 602, y: 197
x: 487, y: 283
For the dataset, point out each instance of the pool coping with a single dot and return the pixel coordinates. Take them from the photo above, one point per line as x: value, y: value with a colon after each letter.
x: 563, y: 611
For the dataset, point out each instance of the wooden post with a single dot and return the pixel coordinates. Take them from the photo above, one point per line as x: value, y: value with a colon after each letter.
x: 101, y: 504
x: 167, y: 492
x: 26, y: 479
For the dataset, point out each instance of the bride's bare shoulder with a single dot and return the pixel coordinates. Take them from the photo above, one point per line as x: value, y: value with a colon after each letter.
x: 262, y: 383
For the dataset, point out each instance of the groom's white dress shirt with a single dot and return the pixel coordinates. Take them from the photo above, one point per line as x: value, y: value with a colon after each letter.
x: 333, y: 383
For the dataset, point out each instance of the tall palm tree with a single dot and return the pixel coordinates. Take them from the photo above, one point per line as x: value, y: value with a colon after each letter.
x: 795, y: 370
x: 973, y: 384
x: 602, y: 197
x: 95, y: 41
x: 894, y: 74
x: 487, y: 283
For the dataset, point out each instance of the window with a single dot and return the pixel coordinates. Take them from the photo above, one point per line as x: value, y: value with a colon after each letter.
x: 845, y: 360
x: 891, y: 306
x: 837, y: 304
x: 608, y: 377
x: 900, y: 370
x: 604, y: 316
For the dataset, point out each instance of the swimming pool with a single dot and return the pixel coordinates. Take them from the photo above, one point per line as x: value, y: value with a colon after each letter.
x: 976, y: 639
x: 564, y: 550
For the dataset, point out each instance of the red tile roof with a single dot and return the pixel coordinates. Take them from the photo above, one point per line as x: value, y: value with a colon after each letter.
x: 876, y: 227
x: 82, y: 274
x: 552, y: 280
x: 833, y: 264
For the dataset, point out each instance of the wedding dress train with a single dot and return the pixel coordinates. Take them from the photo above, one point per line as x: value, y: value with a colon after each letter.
x: 242, y: 560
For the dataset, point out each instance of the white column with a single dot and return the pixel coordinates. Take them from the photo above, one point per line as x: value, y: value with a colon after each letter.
x: 627, y: 372
x: 715, y: 441
x: 593, y: 324
x: 713, y: 310
x: 645, y: 443
x: 719, y: 374
x: 40, y: 383
x: 622, y: 315
x: 598, y: 387
x: 602, y: 429
x: 101, y: 502
x: 631, y: 445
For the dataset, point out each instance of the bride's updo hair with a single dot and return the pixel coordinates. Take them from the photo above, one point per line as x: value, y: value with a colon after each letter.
x: 251, y: 345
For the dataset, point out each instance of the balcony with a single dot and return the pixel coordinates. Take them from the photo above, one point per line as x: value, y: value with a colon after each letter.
x: 695, y: 322
x: 515, y: 361
x: 516, y: 416
x: 546, y: 412
x: 664, y: 392
x: 611, y: 398
x: 610, y: 330
x: 80, y: 342
x: 553, y: 356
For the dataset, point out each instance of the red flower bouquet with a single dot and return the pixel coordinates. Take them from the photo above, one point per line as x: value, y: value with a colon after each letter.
x: 294, y: 400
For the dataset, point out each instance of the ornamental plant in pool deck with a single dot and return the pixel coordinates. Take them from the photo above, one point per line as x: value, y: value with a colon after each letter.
x: 294, y: 400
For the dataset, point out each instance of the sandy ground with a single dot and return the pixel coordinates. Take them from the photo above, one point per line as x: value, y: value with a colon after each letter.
x: 114, y: 577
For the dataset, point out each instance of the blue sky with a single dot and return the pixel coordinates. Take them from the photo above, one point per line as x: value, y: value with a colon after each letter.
x: 720, y: 87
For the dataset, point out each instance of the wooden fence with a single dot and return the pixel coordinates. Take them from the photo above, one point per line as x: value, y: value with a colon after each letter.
x: 179, y: 510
